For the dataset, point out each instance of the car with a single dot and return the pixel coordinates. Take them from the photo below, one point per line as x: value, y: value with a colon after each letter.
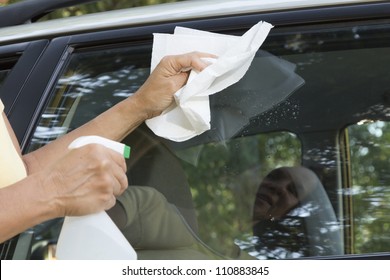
x: 315, y: 100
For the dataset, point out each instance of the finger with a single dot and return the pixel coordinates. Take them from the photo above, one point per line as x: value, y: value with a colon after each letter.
x: 118, y: 159
x: 185, y: 62
x: 202, y: 60
x: 110, y: 203
x: 121, y: 182
x: 116, y: 168
x: 98, y: 152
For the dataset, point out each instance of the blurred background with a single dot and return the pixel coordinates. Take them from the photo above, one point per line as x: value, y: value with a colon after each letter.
x: 99, y: 6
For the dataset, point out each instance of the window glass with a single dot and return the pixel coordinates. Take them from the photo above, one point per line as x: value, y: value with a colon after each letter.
x: 92, y: 82
x: 370, y: 153
x: 224, y: 181
x: 267, y: 181
x: 95, y: 80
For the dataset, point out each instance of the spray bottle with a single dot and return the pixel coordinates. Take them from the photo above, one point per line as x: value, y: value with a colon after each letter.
x: 95, y: 236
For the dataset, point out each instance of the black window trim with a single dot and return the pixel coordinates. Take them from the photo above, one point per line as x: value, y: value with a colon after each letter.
x: 26, y: 55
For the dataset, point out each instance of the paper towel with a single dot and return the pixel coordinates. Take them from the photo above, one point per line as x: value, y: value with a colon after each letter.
x: 189, y: 116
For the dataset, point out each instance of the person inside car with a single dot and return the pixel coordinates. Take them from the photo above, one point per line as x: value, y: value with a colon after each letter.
x: 54, y: 182
x: 293, y: 217
x: 278, y: 193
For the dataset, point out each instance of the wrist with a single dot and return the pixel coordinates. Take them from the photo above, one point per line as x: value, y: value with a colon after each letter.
x: 47, y: 195
x: 140, y: 106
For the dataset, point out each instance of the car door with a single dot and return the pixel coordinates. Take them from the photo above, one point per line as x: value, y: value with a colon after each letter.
x: 331, y: 70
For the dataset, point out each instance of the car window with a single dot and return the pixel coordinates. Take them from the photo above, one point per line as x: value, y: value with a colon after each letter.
x: 92, y: 82
x: 278, y: 175
x: 370, y: 189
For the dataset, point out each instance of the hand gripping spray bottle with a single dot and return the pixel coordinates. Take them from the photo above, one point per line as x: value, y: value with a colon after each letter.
x: 95, y: 236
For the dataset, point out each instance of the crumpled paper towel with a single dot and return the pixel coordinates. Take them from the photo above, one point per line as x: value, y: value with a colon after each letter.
x: 189, y: 116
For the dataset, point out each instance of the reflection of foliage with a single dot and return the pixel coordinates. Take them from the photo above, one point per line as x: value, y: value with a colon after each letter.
x: 370, y: 155
x: 94, y: 81
x: 103, y: 78
x: 303, y: 232
x: 279, y: 239
x: 98, y: 6
x: 225, y: 180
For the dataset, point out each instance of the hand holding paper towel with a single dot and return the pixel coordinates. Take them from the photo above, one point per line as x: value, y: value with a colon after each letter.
x: 190, y: 115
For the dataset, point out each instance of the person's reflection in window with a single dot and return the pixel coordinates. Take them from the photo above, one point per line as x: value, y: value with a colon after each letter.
x: 292, y: 217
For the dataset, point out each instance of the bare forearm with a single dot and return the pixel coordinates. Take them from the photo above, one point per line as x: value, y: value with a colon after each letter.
x: 87, y: 180
x: 154, y: 96
x: 115, y: 123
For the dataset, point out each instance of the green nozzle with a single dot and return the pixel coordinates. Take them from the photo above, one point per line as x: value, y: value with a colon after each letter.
x: 126, y: 152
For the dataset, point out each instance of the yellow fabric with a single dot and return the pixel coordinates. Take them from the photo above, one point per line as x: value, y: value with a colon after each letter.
x: 12, y: 168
